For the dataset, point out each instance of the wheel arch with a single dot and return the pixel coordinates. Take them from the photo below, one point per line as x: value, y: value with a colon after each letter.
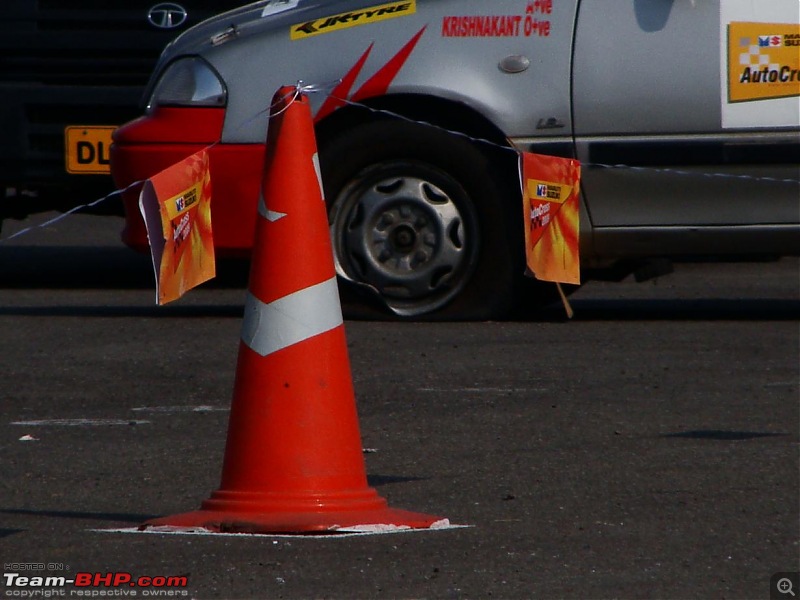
x: 441, y: 112
x: 446, y: 114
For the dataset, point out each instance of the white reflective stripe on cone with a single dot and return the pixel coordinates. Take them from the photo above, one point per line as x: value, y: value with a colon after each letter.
x: 269, y: 215
x: 318, y: 171
x: 267, y: 328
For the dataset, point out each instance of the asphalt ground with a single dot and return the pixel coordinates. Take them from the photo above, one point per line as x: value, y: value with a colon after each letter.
x: 647, y: 448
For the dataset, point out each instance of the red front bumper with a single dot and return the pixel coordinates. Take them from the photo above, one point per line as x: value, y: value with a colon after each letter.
x: 150, y: 144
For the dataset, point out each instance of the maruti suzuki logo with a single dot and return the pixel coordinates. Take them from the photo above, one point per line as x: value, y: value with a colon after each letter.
x: 167, y: 15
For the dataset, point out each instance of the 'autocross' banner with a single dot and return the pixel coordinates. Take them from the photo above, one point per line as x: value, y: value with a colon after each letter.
x: 550, y: 202
x: 176, y: 207
x: 760, y: 64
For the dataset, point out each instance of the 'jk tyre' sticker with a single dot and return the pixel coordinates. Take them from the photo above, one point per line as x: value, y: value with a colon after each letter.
x: 355, y: 18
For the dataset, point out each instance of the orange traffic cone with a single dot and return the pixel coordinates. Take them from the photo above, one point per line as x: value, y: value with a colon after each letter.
x: 293, y: 460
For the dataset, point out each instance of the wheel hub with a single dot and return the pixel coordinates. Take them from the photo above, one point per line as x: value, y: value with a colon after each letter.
x: 403, y: 239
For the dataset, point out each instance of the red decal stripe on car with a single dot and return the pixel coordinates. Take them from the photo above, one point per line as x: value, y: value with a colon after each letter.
x: 380, y: 82
x: 341, y: 91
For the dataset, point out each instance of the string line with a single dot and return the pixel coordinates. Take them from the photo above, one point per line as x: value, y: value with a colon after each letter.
x: 302, y: 88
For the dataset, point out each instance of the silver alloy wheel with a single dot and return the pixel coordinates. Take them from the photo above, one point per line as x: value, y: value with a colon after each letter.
x: 405, y: 237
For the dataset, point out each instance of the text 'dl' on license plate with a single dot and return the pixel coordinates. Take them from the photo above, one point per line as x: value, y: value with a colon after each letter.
x: 87, y: 149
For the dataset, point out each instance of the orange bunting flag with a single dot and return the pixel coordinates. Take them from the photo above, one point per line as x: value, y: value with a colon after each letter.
x: 176, y: 207
x: 550, y: 198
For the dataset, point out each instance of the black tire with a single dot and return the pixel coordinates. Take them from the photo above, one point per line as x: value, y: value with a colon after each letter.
x: 424, y: 218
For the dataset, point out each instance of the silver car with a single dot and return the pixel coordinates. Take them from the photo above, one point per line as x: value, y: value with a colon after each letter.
x: 685, y: 115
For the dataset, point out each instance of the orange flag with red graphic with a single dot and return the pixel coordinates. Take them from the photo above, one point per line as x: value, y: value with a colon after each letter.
x: 550, y: 197
x: 176, y: 206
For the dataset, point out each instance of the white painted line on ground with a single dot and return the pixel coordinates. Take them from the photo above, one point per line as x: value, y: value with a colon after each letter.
x: 169, y: 409
x: 79, y: 422
x: 480, y: 390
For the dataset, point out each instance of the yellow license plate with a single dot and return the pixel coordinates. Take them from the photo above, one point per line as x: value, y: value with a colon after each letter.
x: 87, y: 149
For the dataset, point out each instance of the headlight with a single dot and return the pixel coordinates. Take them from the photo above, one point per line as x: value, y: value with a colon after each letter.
x: 188, y: 81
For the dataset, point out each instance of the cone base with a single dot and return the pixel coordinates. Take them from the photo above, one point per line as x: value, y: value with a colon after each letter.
x: 294, y: 522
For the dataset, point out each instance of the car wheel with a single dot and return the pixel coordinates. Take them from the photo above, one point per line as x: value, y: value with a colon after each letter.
x: 419, y: 216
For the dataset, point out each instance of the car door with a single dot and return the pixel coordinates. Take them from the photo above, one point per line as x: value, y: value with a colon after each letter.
x: 670, y: 165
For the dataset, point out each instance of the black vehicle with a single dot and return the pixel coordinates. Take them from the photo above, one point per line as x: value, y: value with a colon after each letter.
x: 70, y: 72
